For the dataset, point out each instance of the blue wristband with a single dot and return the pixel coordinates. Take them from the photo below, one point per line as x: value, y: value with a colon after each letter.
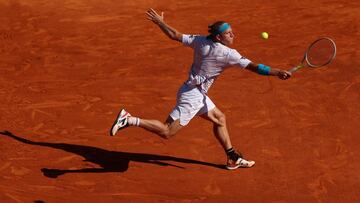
x: 263, y: 69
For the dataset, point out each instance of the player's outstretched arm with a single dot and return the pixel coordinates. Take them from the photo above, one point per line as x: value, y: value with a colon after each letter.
x: 266, y: 70
x: 159, y: 20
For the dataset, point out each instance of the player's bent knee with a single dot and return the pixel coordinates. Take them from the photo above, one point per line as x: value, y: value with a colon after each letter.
x: 221, y: 119
x: 170, y: 129
x: 167, y: 133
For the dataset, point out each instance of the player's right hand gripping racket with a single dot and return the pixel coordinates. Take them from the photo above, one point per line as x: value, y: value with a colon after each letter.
x: 320, y: 53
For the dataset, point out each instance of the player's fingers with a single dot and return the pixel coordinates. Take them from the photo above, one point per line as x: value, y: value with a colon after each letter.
x: 149, y: 18
x: 150, y: 14
x: 283, y: 76
x: 287, y: 76
x: 152, y: 17
x: 153, y: 11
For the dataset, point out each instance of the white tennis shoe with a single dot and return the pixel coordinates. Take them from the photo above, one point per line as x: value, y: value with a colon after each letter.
x: 120, y: 122
x: 239, y: 163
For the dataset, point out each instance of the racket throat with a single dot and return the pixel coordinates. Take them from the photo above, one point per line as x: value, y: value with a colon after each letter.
x: 295, y: 68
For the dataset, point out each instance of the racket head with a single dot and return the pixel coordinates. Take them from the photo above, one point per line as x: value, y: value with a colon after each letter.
x: 321, y: 52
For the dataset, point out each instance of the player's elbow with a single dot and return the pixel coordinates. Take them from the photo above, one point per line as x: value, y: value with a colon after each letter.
x: 177, y: 36
x: 252, y: 67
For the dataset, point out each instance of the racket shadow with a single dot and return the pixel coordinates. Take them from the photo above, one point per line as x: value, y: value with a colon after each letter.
x: 109, y: 161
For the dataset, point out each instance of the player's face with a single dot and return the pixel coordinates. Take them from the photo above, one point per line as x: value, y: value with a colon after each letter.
x: 227, y: 37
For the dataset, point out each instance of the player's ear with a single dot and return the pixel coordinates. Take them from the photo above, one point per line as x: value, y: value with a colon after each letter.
x: 218, y: 37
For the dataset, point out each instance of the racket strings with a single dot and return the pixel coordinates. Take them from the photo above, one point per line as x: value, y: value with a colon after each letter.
x: 321, y: 52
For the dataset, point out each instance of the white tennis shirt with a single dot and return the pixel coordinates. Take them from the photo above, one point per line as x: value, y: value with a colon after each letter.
x: 210, y: 60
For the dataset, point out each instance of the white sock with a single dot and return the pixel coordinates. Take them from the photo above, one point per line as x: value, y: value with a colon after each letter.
x: 134, y: 121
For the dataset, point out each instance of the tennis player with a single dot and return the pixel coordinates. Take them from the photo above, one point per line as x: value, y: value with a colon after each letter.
x: 212, y: 55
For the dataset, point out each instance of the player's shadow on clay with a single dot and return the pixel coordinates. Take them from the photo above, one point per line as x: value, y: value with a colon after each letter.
x: 109, y: 161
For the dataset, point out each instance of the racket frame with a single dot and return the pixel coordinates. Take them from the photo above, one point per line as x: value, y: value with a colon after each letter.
x: 306, y: 60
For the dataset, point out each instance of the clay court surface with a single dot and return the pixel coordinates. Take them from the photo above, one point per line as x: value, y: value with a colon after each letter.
x: 67, y: 67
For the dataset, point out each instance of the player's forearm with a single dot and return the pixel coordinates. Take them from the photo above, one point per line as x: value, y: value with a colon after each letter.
x: 262, y: 69
x: 171, y: 32
x: 266, y: 70
x: 274, y: 71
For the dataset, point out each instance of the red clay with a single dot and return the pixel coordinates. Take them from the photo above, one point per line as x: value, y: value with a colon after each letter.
x: 67, y: 67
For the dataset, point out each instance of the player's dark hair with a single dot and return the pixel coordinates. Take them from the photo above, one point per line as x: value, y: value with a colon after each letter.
x: 213, y: 28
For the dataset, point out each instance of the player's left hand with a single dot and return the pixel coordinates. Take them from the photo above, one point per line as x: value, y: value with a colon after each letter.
x: 154, y: 16
x: 284, y: 75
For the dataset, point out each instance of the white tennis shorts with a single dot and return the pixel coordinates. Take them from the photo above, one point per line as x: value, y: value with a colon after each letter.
x: 190, y: 102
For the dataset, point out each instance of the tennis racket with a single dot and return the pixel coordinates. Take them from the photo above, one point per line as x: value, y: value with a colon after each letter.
x: 320, y: 53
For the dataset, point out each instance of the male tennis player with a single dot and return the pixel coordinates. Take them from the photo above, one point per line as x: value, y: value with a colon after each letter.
x: 211, y: 56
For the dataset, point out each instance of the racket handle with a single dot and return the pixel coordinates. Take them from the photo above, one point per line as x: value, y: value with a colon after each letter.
x: 295, y: 69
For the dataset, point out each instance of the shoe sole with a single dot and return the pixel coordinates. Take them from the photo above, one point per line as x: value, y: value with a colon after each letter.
x: 232, y: 168
x: 238, y: 166
x: 114, y: 124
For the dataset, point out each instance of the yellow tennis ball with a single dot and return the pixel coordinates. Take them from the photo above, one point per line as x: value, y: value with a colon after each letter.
x: 264, y: 35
